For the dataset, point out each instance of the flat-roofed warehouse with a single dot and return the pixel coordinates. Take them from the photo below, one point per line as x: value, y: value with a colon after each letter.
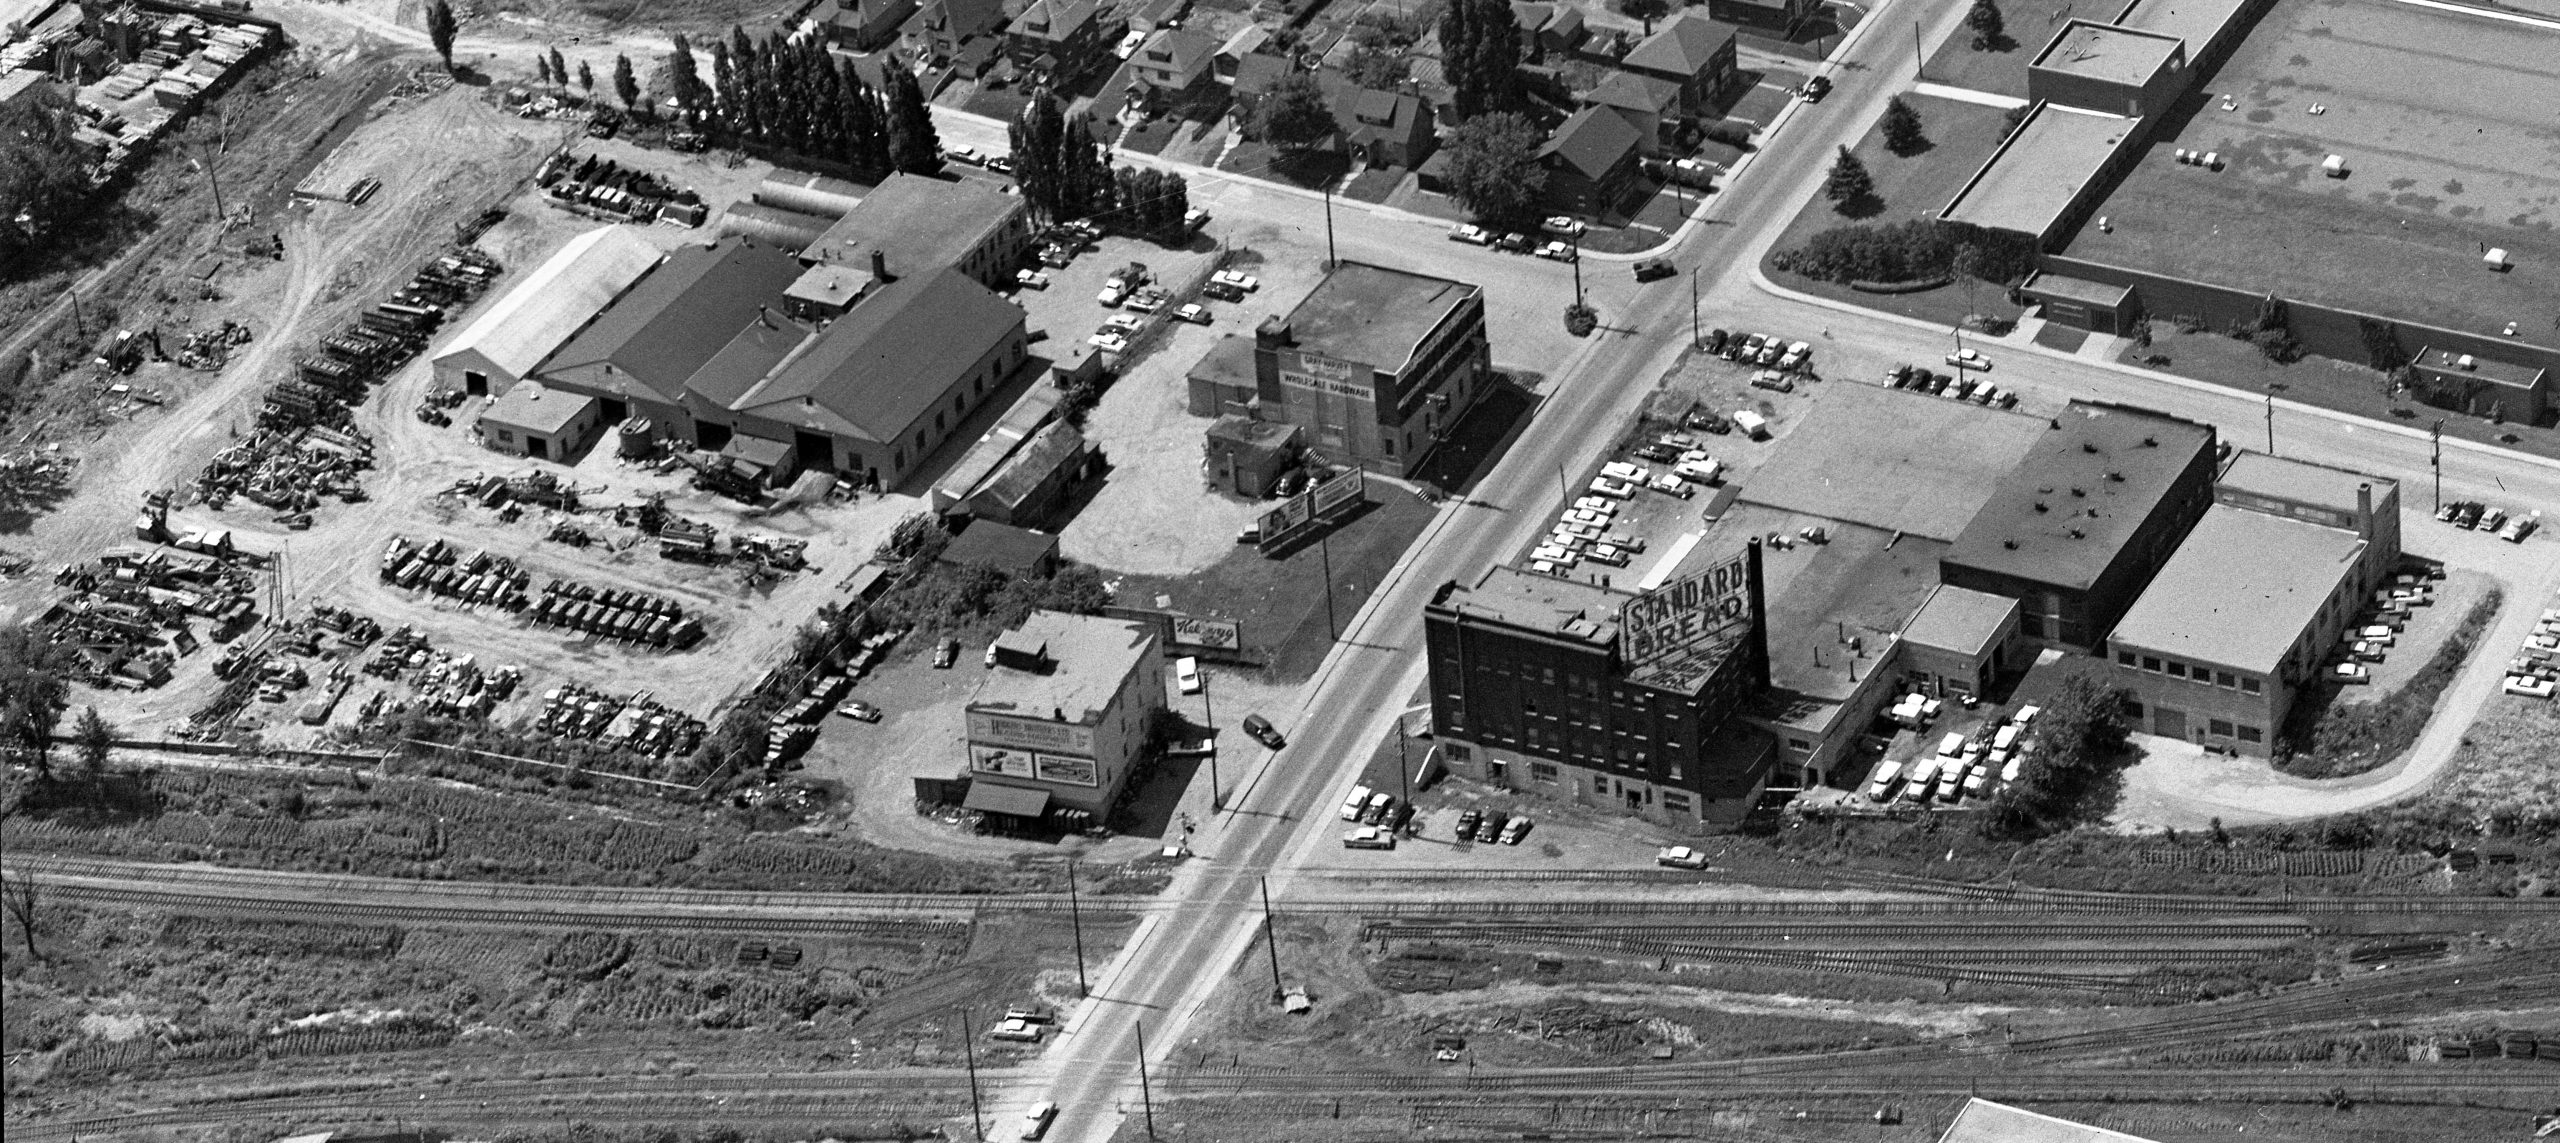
x: 1377, y: 364
x: 2236, y: 625
x: 916, y: 225
x: 509, y: 339
x: 1894, y: 460
x: 2049, y: 174
x: 2076, y: 530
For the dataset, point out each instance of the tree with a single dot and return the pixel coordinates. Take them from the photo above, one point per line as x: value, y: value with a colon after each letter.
x: 1085, y: 183
x: 1848, y: 184
x: 1294, y: 115
x: 440, y: 30
x: 96, y: 741
x: 626, y: 86
x: 914, y: 146
x: 684, y: 80
x: 587, y: 78
x: 1967, y: 267
x: 44, y: 183
x: 1493, y: 166
x: 31, y: 695
x: 1480, y: 57
x: 1990, y: 32
x: 23, y: 899
x: 1036, y: 134
x: 542, y: 70
x: 1645, y: 10
x: 2078, y: 738
x: 1377, y: 68
x: 1901, y: 126
x: 560, y: 69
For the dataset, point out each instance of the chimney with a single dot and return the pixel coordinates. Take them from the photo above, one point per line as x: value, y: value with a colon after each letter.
x: 880, y: 267
x: 2364, y: 509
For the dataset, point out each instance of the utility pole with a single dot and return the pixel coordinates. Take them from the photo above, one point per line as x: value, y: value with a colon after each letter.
x: 79, y: 321
x: 1075, y: 916
x: 2435, y: 459
x: 2273, y: 388
x: 969, y: 1051
x: 1271, y: 940
x: 1577, y: 269
x: 1563, y: 489
x: 1694, y: 340
x: 1208, y: 713
x: 1324, y: 552
x: 1404, y: 780
x: 1331, y: 259
x: 1920, y: 63
x: 1146, y: 1092
x: 221, y: 217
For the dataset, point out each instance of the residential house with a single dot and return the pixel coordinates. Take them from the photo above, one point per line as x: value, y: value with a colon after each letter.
x: 1057, y: 40
x: 1248, y: 40
x: 1157, y: 15
x: 1693, y: 51
x: 1650, y: 105
x: 1255, y: 76
x: 1590, y: 161
x: 1786, y: 17
x: 938, y: 30
x: 1549, y: 28
x: 1384, y: 128
x: 1173, y: 59
x: 861, y: 25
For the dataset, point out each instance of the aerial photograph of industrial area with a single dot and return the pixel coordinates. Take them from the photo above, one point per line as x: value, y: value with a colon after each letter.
x: 1279, y: 571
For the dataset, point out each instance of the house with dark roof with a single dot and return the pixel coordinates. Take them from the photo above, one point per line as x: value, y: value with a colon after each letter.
x: 1590, y: 161
x: 1231, y: 55
x: 1649, y: 104
x: 1255, y: 76
x: 1546, y: 27
x: 1153, y: 15
x: 912, y: 224
x: 1693, y: 51
x: 1057, y: 40
x: 1384, y: 128
x: 876, y: 392
x: 2078, y: 529
x: 939, y: 28
x: 639, y: 353
x: 861, y: 25
x: 1173, y: 59
x: 1785, y: 17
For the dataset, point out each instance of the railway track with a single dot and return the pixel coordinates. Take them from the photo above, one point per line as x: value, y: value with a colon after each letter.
x: 519, y: 919
x: 1891, y: 963
x: 2432, y: 1085
x: 1817, y: 929
x: 2315, y: 909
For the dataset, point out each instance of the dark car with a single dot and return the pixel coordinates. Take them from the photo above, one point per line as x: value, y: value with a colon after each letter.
x: 1655, y: 270
x: 1263, y: 732
x: 1223, y: 292
x: 1468, y: 820
x: 946, y: 653
x: 1491, y: 829
x: 1816, y: 88
x: 1715, y: 341
x: 1515, y: 243
x: 1399, y: 818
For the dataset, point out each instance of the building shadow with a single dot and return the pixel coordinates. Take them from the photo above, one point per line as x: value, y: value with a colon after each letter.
x: 1480, y: 438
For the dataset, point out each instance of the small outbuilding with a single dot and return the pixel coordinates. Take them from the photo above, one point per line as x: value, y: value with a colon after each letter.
x: 540, y: 422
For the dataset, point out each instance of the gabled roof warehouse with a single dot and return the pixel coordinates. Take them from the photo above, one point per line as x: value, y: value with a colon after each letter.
x: 533, y: 319
x: 652, y: 340
x: 878, y: 368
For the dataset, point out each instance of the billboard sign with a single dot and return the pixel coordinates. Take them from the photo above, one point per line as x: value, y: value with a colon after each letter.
x: 1065, y: 770
x: 1020, y: 733
x: 1216, y: 634
x: 1320, y: 502
x: 1293, y: 513
x: 999, y: 760
x: 1350, y: 487
x: 1687, y: 612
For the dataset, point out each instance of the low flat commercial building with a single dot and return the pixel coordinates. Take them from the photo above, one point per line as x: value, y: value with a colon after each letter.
x: 2236, y: 626
x: 2048, y: 175
x: 509, y: 339
x: 1959, y: 642
x: 912, y: 225
x: 2077, y: 529
x: 1060, y: 720
x: 2350, y: 501
x: 2100, y: 67
x: 1377, y: 365
x: 1604, y: 697
x: 2483, y: 386
x: 533, y: 421
x: 1895, y: 460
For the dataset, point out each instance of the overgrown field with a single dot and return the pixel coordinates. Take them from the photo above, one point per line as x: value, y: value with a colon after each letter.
x: 343, y: 822
x: 131, y: 996
x: 2336, y: 740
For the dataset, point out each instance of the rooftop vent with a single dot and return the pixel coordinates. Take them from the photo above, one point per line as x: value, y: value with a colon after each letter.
x: 2093, y: 513
x: 2080, y: 493
x: 2040, y: 506
x: 2115, y: 478
x: 2089, y: 446
x: 2012, y: 545
x: 2150, y: 442
x: 2077, y: 534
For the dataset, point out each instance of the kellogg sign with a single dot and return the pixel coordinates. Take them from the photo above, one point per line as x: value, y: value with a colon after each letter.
x: 1683, y: 614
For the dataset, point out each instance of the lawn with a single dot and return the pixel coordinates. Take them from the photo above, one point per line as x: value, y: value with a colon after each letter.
x: 2321, y: 381
x: 2004, y: 72
x: 1282, y: 601
x: 1261, y: 160
x: 1961, y: 136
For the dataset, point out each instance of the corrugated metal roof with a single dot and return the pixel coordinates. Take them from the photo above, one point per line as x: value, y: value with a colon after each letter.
x: 542, y: 311
x: 878, y: 368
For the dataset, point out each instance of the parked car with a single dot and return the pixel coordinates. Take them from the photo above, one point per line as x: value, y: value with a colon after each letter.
x: 961, y: 155
x: 1680, y: 857
x: 1263, y: 732
x: 2350, y: 672
x: 1816, y: 88
x: 1617, y: 489
x: 946, y: 653
x: 1515, y: 243
x: 1000, y: 164
x: 1186, y: 674
x: 1123, y: 324
x: 1380, y: 805
x: 1108, y: 342
x: 1113, y: 293
x: 1564, y: 225
x: 2521, y: 527
x: 2491, y: 520
x: 1468, y: 820
x: 1655, y: 269
x: 1968, y: 359
x: 1221, y: 292
x: 1471, y: 235
x: 860, y: 711
x: 1031, y: 279
x: 1557, y: 252
x: 1369, y: 837
x: 1715, y: 342
x: 1516, y: 829
x: 1490, y: 830
x: 2529, y: 686
x: 1192, y: 312
x: 1194, y: 218
x: 1358, y: 801
x: 1021, y: 1030
x: 1237, y: 278
x: 1145, y: 302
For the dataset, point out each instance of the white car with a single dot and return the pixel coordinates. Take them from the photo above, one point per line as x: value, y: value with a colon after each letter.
x: 1583, y: 532
x: 2350, y: 672
x: 1587, y: 518
x: 1108, y: 342
x: 1968, y: 359
x: 1358, y: 801
x: 1124, y: 324
x: 1552, y: 554
x: 1561, y: 224
x: 1600, y: 504
x: 1622, y: 470
x: 1186, y: 674
x: 1471, y: 235
x: 1113, y: 293
x: 1195, y: 313
x: 1035, y: 1122
x: 1672, y: 483
x: 1238, y: 279
x: 2521, y: 527
x: 962, y: 155
x: 1609, y: 554
x: 1615, y: 489
x: 2528, y: 686
x: 1369, y: 837
x: 1144, y: 302
x: 1031, y: 279
x: 1703, y: 471
x: 1680, y: 857
x: 1022, y: 1030
x: 1557, y: 252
